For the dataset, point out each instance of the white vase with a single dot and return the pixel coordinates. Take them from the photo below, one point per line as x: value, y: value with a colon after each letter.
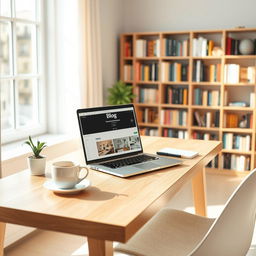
x: 37, y: 165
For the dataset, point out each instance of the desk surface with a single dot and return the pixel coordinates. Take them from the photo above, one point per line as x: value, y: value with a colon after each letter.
x: 112, y: 208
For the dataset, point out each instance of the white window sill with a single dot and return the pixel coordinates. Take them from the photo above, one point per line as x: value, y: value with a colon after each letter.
x: 18, y: 148
x: 14, y: 155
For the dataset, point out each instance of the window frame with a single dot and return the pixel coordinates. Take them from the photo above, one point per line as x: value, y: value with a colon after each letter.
x: 18, y: 133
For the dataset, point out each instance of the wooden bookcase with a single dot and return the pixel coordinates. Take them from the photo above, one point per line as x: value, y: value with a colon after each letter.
x: 185, y: 88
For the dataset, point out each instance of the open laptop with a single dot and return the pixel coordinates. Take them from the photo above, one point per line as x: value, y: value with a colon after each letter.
x: 112, y: 144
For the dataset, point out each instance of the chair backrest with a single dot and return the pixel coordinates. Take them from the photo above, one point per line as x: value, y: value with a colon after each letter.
x: 231, y: 233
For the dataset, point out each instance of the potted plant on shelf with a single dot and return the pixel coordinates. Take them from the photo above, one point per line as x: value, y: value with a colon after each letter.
x: 120, y: 93
x: 36, y: 162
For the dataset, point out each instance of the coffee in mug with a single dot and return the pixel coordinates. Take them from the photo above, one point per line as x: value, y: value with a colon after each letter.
x: 66, y: 174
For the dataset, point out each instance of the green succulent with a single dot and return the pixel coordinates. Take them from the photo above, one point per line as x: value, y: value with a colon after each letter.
x: 120, y: 93
x: 36, y: 149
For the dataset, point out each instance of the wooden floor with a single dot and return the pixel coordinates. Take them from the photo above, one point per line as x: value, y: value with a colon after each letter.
x: 45, y: 243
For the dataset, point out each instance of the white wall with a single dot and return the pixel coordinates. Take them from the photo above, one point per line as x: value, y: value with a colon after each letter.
x: 162, y: 15
x: 121, y: 16
x: 111, y: 15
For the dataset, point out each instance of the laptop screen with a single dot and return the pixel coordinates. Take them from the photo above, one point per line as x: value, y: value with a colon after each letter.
x: 109, y: 132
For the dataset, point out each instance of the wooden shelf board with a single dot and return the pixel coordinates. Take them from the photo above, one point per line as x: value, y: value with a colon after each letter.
x: 235, y: 151
x: 147, y: 82
x: 175, y: 82
x: 174, y: 127
x: 240, y: 56
x: 206, y: 58
x: 200, y: 128
x: 237, y: 130
x: 148, y: 125
x: 173, y: 106
x: 207, y: 83
x: 146, y: 104
x: 128, y: 58
x: 147, y: 58
x: 128, y: 82
x: 238, y: 108
x: 240, y: 84
x: 205, y: 107
x: 174, y: 57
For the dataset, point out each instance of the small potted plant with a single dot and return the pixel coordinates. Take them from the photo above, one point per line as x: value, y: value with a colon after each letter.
x: 36, y: 162
x: 120, y: 93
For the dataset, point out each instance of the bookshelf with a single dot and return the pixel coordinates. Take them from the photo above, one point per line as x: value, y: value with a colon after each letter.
x: 196, y: 84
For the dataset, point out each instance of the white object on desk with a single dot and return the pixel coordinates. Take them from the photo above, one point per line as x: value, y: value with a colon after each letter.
x: 177, y: 152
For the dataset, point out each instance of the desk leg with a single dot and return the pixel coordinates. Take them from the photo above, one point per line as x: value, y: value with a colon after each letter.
x: 100, y: 247
x: 199, y: 193
x: 2, y: 232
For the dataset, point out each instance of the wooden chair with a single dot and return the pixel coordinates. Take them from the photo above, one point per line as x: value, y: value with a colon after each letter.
x: 177, y: 233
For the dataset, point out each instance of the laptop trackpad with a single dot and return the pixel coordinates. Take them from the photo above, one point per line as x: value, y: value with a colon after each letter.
x: 146, y: 166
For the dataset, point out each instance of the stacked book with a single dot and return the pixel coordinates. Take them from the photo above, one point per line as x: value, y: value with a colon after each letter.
x: 204, y: 136
x: 234, y: 74
x: 128, y: 49
x: 232, y: 120
x: 175, y: 72
x: 236, y: 162
x: 208, y: 119
x: 202, y: 47
x: 146, y: 72
x: 173, y: 47
x: 239, y: 142
x: 174, y: 133
x: 148, y: 131
x: 232, y: 46
x: 206, y: 97
x: 209, y: 73
x: 174, y: 117
x: 147, y: 48
x: 128, y: 72
x: 176, y: 95
x: 148, y: 95
x: 239, y: 103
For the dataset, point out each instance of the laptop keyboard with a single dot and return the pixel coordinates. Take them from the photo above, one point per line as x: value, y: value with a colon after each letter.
x: 129, y: 161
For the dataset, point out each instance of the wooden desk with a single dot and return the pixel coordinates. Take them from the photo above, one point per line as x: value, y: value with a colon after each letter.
x: 113, y: 208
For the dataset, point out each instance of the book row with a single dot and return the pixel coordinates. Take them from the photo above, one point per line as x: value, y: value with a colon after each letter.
x: 148, y: 131
x: 174, y: 133
x: 148, y: 95
x: 207, y: 119
x: 234, y: 141
x: 148, y: 115
x: 236, y: 162
x: 173, y: 47
x: 176, y: 95
x: 173, y: 117
x: 209, y: 73
x: 214, y: 163
x: 232, y: 46
x: 147, y: 48
x: 234, y: 73
x: 174, y: 71
x: 128, y: 49
x: 146, y: 72
x: 204, y: 136
x: 202, y: 47
x: 206, y: 97
x: 128, y: 72
x: 233, y: 120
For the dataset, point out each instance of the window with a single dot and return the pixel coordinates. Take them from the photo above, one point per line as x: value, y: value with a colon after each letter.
x: 21, y: 69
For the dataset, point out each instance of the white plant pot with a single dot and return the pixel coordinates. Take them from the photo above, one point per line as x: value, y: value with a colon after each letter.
x: 37, y: 165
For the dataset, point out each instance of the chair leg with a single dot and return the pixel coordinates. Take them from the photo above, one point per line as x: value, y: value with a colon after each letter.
x: 199, y: 193
x: 2, y: 233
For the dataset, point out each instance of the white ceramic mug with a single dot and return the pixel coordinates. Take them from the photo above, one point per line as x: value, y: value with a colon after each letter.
x: 65, y: 174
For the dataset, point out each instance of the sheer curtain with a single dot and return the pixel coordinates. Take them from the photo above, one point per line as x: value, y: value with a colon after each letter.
x: 91, y: 66
x: 75, y: 76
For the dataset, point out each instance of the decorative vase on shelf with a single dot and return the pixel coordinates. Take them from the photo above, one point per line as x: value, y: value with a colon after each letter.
x: 246, y: 47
